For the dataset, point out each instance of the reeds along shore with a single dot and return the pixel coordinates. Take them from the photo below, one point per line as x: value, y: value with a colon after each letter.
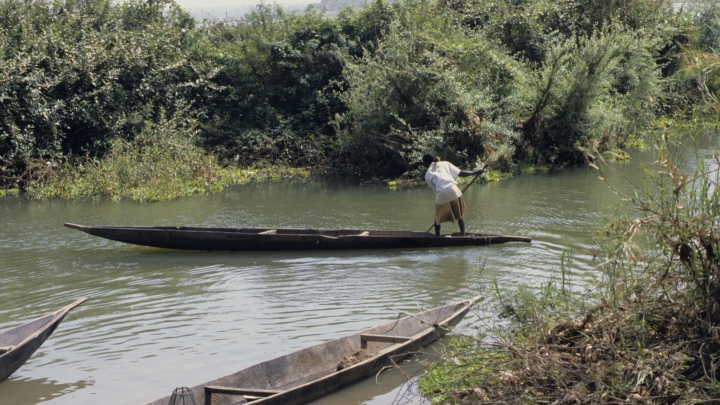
x: 647, y: 332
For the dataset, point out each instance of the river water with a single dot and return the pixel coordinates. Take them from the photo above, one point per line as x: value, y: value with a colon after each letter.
x: 159, y: 319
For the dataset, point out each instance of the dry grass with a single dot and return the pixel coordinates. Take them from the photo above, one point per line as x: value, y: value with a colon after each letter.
x: 648, y: 333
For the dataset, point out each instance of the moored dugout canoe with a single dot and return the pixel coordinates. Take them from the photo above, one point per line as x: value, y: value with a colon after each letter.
x: 19, y: 343
x: 257, y: 239
x: 311, y: 373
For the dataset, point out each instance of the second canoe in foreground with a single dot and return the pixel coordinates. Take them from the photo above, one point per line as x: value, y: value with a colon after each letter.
x: 311, y: 373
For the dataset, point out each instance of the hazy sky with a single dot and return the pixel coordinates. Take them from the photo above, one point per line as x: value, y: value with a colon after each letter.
x: 236, y: 4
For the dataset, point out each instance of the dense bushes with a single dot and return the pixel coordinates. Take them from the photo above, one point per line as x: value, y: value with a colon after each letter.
x: 502, y: 82
x: 363, y: 93
x: 591, y: 90
x: 284, y: 76
x: 431, y: 85
x: 76, y: 75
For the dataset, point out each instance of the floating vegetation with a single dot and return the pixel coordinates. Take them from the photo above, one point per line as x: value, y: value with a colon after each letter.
x: 161, y: 163
x: 10, y: 191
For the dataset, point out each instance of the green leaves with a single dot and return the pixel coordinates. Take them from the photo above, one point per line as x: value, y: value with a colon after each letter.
x: 75, y: 75
x: 162, y: 162
x: 367, y: 92
x: 591, y: 89
x: 428, y: 86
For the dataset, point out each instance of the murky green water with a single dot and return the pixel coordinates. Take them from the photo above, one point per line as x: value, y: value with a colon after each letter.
x: 158, y: 319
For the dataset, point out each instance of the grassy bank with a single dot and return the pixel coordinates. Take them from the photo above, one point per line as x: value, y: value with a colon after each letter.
x: 646, y: 332
x: 161, y: 163
x: 102, y: 179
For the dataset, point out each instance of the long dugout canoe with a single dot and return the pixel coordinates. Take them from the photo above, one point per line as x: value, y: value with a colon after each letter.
x: 19, y: 343
x: 306, y: 375
x: 258, y: 239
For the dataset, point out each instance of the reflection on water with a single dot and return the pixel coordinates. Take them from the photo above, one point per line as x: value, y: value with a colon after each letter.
x: 33, y: 391
x: 158, y: 319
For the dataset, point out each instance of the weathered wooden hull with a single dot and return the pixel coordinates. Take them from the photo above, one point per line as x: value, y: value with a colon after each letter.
x: 311, y: 373
x: 258, y: 239
x: 27, y: 338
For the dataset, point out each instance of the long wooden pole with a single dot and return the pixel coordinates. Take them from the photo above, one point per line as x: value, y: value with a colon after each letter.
x: 463, y: 192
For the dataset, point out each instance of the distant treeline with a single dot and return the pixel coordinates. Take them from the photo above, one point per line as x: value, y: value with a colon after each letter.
x: 334, y: 5
x: 362, y: 94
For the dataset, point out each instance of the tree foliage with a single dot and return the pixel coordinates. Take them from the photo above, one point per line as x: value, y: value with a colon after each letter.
x: 363, y: 93
x: 76, y: 75
x: 503, y: 82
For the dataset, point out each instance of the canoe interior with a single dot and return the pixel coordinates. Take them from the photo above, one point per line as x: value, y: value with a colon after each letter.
x: 19, y: 343
x: 285, y: 231
x: 16, y: 335
x: 306, y: 369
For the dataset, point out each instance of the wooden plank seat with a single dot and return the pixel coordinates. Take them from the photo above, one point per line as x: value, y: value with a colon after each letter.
x: 305, y: 375
x: 269, y: 232
x: 250, y: 394
x: 364, y: 338
x: 366, y: 233
x: 5, y: 349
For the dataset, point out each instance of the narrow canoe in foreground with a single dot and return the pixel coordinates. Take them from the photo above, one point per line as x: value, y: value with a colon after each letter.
x: 19, y: 343
x: 314, y: 372
x: 257, y: 239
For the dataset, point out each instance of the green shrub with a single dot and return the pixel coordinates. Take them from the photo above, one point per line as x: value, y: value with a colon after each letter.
x: 706, y: 17
x: 431, y: 85
x: 590, y: 91
x: 160, y: 162
x: 284, y: 74
x: 76, y: 75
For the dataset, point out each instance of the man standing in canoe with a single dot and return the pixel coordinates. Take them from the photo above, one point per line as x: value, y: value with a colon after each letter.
x: 442, y: 178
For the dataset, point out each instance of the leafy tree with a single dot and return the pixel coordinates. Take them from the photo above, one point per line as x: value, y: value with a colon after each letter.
x: 77, y: 74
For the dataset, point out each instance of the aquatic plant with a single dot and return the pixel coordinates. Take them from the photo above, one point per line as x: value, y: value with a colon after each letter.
x: 161, y: 162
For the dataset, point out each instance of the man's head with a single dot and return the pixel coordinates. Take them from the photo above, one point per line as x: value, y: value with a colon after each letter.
x: 428, y: 159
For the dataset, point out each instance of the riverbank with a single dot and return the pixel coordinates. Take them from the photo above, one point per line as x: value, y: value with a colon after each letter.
x: 646, y: 330
x: 159, y: 164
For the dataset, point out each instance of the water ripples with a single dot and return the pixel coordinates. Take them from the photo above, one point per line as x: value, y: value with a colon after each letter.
x: 156, y: 319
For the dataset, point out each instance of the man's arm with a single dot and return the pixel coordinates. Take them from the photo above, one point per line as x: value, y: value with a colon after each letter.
x: 465, y: 173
